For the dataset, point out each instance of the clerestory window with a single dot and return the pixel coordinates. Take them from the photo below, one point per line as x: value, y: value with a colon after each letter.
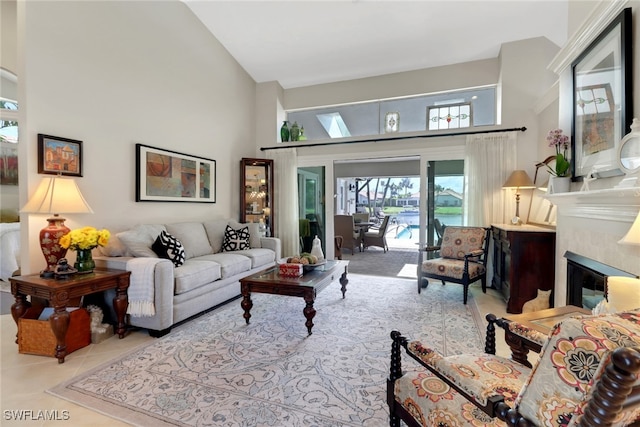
x: 432, y: 112
x: 454, y: 116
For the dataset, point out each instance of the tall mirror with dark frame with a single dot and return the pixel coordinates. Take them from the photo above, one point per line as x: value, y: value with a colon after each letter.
x: 256, y: 193
x: 541, y: 211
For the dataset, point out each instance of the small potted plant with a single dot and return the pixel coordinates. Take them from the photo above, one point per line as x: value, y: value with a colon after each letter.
x: 561, y: 179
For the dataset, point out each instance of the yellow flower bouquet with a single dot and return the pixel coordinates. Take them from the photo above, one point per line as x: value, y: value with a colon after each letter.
x: 85, y: 238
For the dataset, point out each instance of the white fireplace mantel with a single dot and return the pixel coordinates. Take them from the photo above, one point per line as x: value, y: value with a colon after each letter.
x: 613, y: 204
x: 590, y: 223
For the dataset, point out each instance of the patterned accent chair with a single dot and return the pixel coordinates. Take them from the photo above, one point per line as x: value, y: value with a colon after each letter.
x: 588, y: 374
x: 463, y: 258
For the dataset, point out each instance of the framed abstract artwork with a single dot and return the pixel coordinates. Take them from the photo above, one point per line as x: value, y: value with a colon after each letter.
x: 59, y: 156
x: 168, y: 176
x: 602, y: 100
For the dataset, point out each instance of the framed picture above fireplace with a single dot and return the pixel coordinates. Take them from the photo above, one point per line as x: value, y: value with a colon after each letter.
x: 602, y: 99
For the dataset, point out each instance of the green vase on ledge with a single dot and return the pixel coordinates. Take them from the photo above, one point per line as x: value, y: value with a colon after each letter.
x: 295, y: 131
x: 84, y: 261
x: 284, y: 132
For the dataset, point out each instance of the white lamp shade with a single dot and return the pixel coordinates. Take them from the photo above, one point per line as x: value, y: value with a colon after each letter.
x: 57, y: 195
x: 633, y: 235
x: 623, y: 293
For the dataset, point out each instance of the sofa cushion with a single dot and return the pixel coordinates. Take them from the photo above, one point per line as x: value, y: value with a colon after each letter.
x: 235, y: 240
x: 254, y: 232
x: 232, y: 263
x: 193, y: 237
x: 195, y: 273
x: 140, y: 238
x: 259, y: 256
x: 168, y: 247
x: 215, y: 233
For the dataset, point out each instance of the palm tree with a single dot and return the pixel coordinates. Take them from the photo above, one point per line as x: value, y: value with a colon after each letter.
x: 406, y: 184
x: 386, y: 184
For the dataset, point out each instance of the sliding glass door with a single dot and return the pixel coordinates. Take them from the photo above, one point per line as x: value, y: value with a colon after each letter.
x: 311, y: 209
x: 445, y: 196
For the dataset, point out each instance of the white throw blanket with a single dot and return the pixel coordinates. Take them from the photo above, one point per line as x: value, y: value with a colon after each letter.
x: 141, y: 287
x: 9, y: 249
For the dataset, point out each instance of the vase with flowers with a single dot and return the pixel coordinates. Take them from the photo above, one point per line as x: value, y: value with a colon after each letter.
x: 83, y: 241
x: 560, y: 179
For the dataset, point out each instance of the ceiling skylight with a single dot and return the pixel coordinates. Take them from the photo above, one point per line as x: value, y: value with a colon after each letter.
x: 333, y: 125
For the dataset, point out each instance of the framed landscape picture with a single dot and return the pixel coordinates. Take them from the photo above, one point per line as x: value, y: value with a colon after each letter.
x: 59, y: 156
x: 169, y: 176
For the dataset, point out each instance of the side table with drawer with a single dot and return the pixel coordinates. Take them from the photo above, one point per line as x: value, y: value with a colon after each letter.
x: 59, y: 291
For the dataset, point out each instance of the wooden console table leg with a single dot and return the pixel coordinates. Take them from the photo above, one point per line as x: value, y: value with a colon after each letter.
x: 59, y: 322
x: 19, y: 308
x: 120, y: 305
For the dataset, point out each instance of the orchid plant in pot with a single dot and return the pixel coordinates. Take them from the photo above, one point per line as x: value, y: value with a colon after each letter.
x: 560, y: 142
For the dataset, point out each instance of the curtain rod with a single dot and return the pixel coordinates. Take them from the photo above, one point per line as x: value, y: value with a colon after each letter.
x: 395, y: 138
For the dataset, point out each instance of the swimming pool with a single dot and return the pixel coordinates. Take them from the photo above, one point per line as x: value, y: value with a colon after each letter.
x: 410, y: 230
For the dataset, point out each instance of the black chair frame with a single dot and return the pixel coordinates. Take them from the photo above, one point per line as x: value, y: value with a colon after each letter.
x: 478, y: 257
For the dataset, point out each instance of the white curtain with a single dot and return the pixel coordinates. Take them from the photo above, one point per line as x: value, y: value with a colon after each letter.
x: 285, y: 164
x: 489, y: 160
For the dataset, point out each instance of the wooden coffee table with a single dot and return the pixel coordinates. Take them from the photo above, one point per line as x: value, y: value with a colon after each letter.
x: 306, y: 286
x: 59, y: 292
x: 541, y: 321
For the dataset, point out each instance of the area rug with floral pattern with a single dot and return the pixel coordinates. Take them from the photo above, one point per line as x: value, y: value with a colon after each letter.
x: 216, y: 370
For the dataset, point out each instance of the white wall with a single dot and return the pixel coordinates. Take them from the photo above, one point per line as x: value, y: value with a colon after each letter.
x: 521, y: 69
x: 113, y: 74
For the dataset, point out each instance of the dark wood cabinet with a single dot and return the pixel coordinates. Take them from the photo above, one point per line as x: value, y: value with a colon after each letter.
x: 256, y: 192
x: 523, y: 262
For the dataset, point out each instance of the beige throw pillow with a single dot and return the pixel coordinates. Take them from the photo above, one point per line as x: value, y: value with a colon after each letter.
x: 193, y: 237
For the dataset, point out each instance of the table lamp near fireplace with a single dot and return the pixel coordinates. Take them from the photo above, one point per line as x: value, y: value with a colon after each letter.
x: 55, y: 196
x: 519, y: 179
x: 632, y: 238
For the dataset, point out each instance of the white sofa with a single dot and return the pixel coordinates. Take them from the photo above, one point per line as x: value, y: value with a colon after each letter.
x: 160, y: 294
x: 10, y: 249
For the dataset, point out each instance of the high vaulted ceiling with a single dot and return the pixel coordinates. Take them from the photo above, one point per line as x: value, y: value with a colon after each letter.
x: 301, y: 43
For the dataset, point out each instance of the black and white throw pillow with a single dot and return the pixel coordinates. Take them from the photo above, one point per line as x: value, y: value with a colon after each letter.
x: 168, y: 247
x: 235, y: 240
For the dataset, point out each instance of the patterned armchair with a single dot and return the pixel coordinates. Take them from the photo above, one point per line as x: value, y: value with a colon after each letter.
x: 588, y: 374
x: 463, y: 258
